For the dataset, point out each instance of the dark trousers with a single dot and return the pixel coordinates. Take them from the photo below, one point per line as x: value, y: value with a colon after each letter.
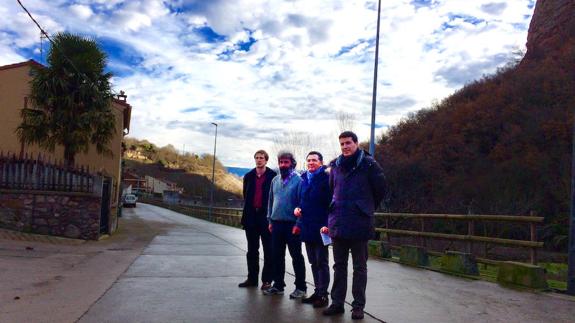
x: 253, y: 235
x: 282, y: 236
x: 318, y: 257
x: 341, y: 249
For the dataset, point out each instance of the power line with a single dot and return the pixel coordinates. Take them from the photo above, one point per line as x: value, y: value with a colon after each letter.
x: 45, y: 34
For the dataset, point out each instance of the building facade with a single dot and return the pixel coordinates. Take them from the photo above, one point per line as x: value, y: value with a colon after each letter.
x: 14, y: 96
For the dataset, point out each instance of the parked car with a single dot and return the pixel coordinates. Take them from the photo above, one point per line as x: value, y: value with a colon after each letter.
x: 130, y: 200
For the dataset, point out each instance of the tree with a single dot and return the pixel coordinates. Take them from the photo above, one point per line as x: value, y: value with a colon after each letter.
x: 71, y: 100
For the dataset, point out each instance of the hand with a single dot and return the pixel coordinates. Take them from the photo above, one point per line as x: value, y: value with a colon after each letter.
x: 297, y: 212
x: 270, y: 227
x: 295, y: 230
x: 324, y: 230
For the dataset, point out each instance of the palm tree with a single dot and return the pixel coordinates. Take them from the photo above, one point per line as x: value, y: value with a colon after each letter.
x: 71, y: 100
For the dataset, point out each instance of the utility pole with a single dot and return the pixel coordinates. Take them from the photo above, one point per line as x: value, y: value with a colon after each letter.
x: 213, y: 174
x: 374, y: 98
x: 571, y: 246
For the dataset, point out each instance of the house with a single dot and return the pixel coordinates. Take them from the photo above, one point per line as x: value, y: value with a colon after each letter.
x: 136, y: 183
x: 158, y: 186
x: 14, y: 96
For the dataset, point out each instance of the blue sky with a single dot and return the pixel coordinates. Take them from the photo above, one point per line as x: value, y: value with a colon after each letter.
x: 276, y: 74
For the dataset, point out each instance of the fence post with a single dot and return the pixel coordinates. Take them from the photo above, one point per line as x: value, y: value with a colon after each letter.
x: 533, y: 253
x: 422, y: 227
x: 470, y: 232
x: 387, y: 237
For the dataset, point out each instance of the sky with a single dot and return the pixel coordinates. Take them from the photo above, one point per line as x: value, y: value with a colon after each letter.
x: 267, y: 70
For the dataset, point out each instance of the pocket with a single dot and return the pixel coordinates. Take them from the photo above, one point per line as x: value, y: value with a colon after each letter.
x: 366, y: 207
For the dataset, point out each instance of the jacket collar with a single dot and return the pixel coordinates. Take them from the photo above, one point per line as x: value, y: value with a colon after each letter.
x: 362, y: 154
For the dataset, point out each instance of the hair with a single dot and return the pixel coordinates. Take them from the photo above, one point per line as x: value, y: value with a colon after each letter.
x: 319, y: 155
x: 262, y: 152
x: 287, y: 155
x: 348, y: 134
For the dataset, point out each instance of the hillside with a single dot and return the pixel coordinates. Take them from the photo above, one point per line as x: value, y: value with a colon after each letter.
x: 500, y: 145
x: 191, y: 171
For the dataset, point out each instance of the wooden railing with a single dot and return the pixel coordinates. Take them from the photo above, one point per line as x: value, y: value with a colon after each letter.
x: 469, y: 237
x: 26, y: 173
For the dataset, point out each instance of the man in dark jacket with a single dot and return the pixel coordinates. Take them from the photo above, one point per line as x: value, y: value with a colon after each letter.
x: 254, y: 220
x: 314, y: 200
x: 358, y: 185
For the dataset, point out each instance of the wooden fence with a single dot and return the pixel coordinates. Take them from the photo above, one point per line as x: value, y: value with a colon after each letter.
x: 469, y: 237
x: 26, y: 173
x: 385, y: 225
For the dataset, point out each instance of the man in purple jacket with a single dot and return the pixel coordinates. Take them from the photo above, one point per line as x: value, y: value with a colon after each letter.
x: 358, y: 185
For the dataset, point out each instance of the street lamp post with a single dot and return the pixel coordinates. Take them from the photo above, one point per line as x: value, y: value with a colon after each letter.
x: 571, y: 246
x: 374, y: 98
x: 213, y: 173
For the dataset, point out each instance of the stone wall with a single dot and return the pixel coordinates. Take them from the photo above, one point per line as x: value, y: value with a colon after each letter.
x: 71, y: 215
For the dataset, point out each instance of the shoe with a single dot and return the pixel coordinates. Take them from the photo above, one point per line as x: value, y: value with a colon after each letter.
x: 248, y: 283
x: 310, y: 300
x: 321, y: 301
x: 297, y: 293
x: 333, y: 310
x: 273, y: 291
x: 357, y: 313
x: 266, y: 285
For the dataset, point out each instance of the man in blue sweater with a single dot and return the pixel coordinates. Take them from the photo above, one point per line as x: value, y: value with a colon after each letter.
x: 283, y: 200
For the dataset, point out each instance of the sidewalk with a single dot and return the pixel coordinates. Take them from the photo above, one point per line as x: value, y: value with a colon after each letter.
x: 190, y: 274
x: 163, y: 266
x: 51, y: 279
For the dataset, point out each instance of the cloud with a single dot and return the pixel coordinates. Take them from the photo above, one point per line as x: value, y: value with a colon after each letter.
x: 260, y: 68
x: 494, y: 8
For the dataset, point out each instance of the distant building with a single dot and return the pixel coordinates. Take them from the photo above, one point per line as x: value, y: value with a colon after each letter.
x: 136, y: 183
x: 158, y: 186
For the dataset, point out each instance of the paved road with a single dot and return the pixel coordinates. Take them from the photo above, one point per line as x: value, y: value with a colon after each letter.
x: 190, y: 273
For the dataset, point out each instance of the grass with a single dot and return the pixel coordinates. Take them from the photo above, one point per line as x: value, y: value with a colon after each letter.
x: 556, y: 272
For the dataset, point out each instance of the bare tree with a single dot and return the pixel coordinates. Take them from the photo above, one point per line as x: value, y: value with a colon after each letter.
x: 345, y: 121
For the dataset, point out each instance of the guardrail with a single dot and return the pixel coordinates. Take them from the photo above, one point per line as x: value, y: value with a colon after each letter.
x: 232, y: 215
x: 470, y: 237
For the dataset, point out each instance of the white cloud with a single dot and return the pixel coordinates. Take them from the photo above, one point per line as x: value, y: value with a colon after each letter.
x: 82, y: 11
x: 310, y: 59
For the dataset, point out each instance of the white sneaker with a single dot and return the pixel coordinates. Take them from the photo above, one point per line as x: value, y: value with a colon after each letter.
x: 297, y: 294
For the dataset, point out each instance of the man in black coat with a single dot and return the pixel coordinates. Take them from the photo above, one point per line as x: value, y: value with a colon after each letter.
x: 254, y: 220
x: 358, y: 186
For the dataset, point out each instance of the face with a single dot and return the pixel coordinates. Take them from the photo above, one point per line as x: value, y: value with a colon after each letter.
x: 260, y: 161
x: 313, y: 162
x: 284, y: 163
x: 348, y: 147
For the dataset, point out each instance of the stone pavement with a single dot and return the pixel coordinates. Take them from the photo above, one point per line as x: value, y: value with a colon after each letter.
x: 190, y: 270
x: 190, y: 274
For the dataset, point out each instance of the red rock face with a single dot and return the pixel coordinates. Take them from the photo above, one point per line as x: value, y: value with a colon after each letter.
x: 552, y: 29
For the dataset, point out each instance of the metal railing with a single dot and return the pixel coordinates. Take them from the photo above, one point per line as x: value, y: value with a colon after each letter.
x: 26, y: 173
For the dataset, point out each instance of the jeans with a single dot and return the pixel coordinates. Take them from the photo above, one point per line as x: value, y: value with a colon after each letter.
x: 318, y: 257
x: 282, y: 237
x: 341, y: 248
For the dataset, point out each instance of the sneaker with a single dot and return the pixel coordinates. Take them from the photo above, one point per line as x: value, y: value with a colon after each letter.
x: 273, y: 291
x: 248, y: 283
x: 266, y: 285
x: 297, y: 293
x: 321, y: 301
x: 357, y: 313
x: 310, y: 300
x: 333, y: 310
